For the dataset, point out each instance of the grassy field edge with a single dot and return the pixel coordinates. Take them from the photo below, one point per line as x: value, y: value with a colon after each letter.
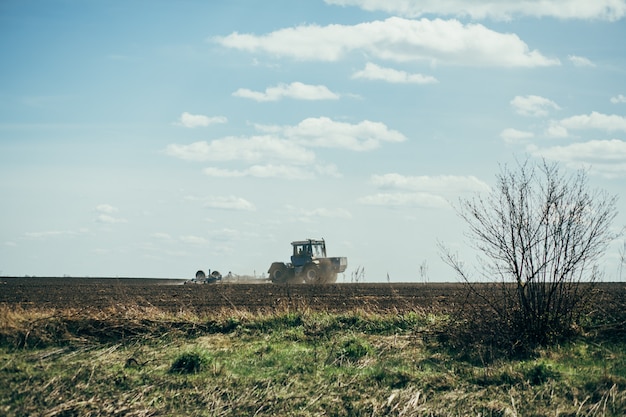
x: 136, y: 361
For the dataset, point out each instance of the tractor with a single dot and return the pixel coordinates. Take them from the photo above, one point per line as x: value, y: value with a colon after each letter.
x: 309, y: 264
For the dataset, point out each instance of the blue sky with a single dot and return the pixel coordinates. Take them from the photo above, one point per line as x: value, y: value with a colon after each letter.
x: 155, y: 138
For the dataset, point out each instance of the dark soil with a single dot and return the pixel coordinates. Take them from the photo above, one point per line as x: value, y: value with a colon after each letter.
x: 172, y: 295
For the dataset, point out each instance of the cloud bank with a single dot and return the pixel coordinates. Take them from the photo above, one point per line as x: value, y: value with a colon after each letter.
x: 422, y: 191
x: 610, y: 10
x: 448, y: 42
x: 281, y: 151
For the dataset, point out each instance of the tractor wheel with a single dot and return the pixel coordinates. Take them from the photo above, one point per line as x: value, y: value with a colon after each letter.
x: 279, y: 273
x: 312, y: 274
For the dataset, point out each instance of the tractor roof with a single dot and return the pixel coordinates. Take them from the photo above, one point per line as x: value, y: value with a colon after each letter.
x: 308, y: 241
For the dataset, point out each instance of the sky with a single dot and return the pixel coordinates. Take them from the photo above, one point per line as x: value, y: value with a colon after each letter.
x: 155, y: 138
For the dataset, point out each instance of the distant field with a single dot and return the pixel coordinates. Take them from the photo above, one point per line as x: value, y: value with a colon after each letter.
x: 148, y: 347
x: 171, y: 295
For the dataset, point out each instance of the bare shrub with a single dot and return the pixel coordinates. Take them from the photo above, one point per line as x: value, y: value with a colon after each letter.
x: 539, y: 235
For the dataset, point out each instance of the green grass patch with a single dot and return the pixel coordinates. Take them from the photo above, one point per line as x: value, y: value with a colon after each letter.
x: 291, y: 363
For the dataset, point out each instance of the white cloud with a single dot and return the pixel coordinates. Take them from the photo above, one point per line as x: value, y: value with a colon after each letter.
x: 555, y: 130
x: 535, y: 106
x: 288, y: 172
x: 106, y: 211
x: 161, y: 236
x: 229, y: 203
x: 193, y: 240
x: 295, y: 90
x: 106, y: 208
x: 279, y: 171
x: 289, y: 143
x: 223, y: 203
x: 326, y: 133
x: 262, y: 171
x: 224, y: 173
x: 425, y: 200
x: 445, y: 184
x: 285, y: 151
x: 620, y: 98
x: 595, y: 150
x: 437, y: 41
x: 601, y: 157
x: 423, y: 191
x: 595, y: 120
x: 251, y: 149
x: 580, y: 61
x: 105, y: 218
x: 198, y: 120
x: 335, y: 213
x: 515, y: 136
x: 496, y: 9
x: 374, y: 72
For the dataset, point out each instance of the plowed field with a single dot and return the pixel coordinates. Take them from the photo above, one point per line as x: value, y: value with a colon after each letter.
x: 172, y: 295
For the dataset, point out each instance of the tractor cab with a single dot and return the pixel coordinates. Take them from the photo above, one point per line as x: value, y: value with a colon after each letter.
x: 309, y: 265
x: 305, y: 251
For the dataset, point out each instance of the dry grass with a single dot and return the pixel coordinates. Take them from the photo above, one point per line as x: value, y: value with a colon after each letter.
x: 119, y: 361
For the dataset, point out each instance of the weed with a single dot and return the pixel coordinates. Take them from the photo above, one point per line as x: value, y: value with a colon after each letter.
x: 540, y: 373
x: 276, y: 321
x: 351, y: 350
x: 190, y: 362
